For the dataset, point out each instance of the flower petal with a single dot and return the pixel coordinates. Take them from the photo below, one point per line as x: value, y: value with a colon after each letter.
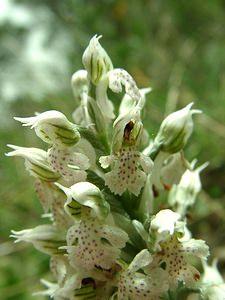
x: 174, y: 257
x: 196, y: 248
x: 141, y: 286
x: 94, y: 245
x: 70, y: 164
x: 106, y: 161
x: 119, y: 77
x: 125, y: 172
x: 142, y: 259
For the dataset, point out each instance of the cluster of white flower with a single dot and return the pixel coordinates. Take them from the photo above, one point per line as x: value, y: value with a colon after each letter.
x: 98, y: 181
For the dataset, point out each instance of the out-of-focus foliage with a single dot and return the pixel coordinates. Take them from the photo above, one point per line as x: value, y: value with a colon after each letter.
x: 176, y: 47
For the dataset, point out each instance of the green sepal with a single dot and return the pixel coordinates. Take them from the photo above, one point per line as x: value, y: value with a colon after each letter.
x: 86, y: 292
x: 83, y: 195
x: 68, y: 135
x: 74, y: 209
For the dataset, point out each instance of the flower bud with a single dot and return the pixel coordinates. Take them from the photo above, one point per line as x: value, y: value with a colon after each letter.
x: 53, y: 128
x: 184, y: 194
x: 175, y: 130
x: 212, y: 275
x: 80, y: 85
x: 212, y: 283
x: 36, y: 162
x: 96, y: 61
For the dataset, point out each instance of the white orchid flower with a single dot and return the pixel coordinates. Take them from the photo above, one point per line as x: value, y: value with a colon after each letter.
x: 129, y: 166
x: 63, y: 136
x: 136, y: 284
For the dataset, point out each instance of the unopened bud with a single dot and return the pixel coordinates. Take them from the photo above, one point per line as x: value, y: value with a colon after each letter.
x: 96, y: 61
x: 175, y: 130
x: 184, y: 194
x: 80, y: 85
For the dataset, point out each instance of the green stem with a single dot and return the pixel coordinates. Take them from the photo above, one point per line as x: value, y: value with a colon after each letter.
x: 171, y: 295
x: 156, y: 148
x: 103, y: 137
x: 129, y: 202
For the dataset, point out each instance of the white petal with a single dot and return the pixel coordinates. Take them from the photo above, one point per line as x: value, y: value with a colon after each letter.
x: 142, y: 259
x: 196, y: 248
x: 50, y: 289
x: 146, y: 163
x: 69, y: 164
x: 119, y: 77
x: 115, y: 235
x: 174, y: 255
x: 127, y: 102
x: 84, y: 146
x: 157, y: 169
x: 174, y: 168
x: 211, y: 275
x: 125, y: 172
x: 58, y: 267
x: 89, y: 246
x: 44, y: 191
x: 103, y: 102
x: 138, y: 183
x: 139, y: 286
x: 165, y: 221
x: 106, y: 161
x: 215, y: 292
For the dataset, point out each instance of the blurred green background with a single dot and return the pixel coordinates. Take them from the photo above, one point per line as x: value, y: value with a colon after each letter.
x: 176, y: 47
